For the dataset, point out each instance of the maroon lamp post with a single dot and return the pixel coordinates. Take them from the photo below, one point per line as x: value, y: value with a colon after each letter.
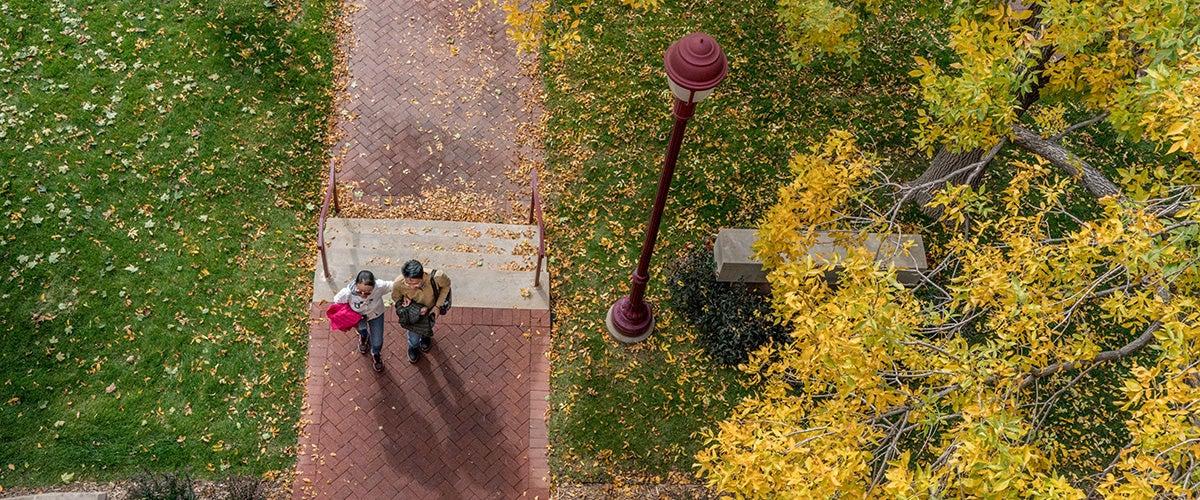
x: 695, y: 65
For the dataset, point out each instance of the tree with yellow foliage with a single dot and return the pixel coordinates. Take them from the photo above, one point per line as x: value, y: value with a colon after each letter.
x: 1133, y: 64
x: 970, y: 383
x: 1046, y: 353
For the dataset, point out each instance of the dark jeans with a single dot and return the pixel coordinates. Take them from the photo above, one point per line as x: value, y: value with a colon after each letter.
x: 414, y: 339
x: 372, y: 330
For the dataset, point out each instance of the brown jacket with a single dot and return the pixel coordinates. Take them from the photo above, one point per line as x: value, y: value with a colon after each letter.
x: 423, y: 295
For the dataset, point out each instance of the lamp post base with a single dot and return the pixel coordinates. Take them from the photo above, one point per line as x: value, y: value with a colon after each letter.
x: 624, y: 330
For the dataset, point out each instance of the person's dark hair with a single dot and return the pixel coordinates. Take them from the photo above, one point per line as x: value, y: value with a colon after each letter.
x: 365, y: 278
x: 413, y: 269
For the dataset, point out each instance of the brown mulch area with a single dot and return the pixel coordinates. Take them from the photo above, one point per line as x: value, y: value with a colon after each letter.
x: 278, y: 488
x: 632, y: 492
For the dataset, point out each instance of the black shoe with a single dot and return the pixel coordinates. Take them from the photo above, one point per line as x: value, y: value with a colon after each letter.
x: 378, y: 363
x: 426, y: 344
x: 362, y: 346
x: 413, y: 355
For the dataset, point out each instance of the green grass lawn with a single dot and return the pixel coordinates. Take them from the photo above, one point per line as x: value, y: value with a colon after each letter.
x: 159, y: 163
x: 632, y: 412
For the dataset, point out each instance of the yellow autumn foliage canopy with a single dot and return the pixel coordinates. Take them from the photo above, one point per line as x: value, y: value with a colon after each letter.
x: 969, y: 383
x: 1137, y: 62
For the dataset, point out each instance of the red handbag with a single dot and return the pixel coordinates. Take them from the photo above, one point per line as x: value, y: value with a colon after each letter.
x: 341, y: 317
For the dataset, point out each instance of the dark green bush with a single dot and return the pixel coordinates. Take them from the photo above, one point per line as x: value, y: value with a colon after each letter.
x: 162, y: 486
x: 731, y: 319
x: 246, y: 488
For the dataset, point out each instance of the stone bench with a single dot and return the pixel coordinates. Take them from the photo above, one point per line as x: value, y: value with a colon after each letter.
x: 735, y: 261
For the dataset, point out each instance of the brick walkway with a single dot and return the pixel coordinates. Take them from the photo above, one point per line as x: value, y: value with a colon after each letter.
x: 465, y: 422
x: 434, y: 99
x: 435, y: 96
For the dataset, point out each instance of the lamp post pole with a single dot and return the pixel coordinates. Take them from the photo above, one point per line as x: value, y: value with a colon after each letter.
x: 695, y: 65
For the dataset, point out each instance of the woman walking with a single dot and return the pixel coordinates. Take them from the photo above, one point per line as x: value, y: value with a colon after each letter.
x: 365, y: 296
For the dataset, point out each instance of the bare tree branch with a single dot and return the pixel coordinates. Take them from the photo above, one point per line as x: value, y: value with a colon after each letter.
x: 987, y: 158
x: 1133, y: 346
x: 1039, y: 416
x: 1086, y: 123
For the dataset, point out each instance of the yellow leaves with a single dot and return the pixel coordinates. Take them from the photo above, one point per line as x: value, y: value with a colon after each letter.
x: 1172, y: 109
x: 813, y: 27
x: 1036, y: 294
x: 826, y: 178
x: 566, y: 43
x: 642, y: 4
x: 1141, y: 182
x: 796, y: 451
x: 528, y: 27
x: 1050, y: 119
x: 973, y: 105
x: 525, y: 26
x: 924, y: 67
x: 1133, y: 392
x: 782, y: 440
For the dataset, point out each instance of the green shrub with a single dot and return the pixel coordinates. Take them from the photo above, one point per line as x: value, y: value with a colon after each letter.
x: 731, y: 319
x: 165, y: 486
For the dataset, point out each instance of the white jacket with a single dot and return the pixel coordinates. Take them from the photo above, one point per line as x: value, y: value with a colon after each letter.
x: 371, y: 306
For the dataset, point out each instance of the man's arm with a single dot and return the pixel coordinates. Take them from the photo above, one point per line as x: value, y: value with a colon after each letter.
x: 396, y: 294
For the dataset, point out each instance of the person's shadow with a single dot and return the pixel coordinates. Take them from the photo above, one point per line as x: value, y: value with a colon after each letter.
x: 480, y: 418
x: 451, y: 456
x: 404, y: 444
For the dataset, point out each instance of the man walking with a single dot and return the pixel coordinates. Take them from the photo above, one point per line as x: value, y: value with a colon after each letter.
x: 419, y: 301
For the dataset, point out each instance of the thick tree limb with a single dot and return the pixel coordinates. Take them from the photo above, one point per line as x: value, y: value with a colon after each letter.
x: 945, y: 167
x: 921, y: 187
x: 1092, y: 179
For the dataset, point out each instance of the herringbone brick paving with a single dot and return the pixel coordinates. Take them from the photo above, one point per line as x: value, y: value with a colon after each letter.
x: 434, y: 98
x: 465, y: 422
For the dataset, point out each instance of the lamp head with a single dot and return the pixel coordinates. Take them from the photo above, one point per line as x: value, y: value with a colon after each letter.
x: 695, y: 65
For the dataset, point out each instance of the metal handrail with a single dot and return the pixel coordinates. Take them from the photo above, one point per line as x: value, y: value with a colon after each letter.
x: 330, y: 192
x: 535, y: 208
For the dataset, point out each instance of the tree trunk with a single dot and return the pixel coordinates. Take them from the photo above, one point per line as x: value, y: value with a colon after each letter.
x: 946, y: 161
x: 943, y: 163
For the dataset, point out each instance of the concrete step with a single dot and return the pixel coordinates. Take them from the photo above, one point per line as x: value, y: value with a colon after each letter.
x: 400, y: 237
x: 395, y: 256
x: 405, y: 244
x: 429, y: 228
x: 473, y: 287
x: 490, y: 265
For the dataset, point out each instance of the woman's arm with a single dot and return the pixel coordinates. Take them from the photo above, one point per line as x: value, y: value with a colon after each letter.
x: 342, y: 297
x: 385, y: 287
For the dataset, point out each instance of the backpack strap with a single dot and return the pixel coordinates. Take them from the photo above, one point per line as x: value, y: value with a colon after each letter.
x: 436, y: 291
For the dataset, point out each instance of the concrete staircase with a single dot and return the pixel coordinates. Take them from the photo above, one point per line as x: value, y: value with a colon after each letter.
x: 490, y: 265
